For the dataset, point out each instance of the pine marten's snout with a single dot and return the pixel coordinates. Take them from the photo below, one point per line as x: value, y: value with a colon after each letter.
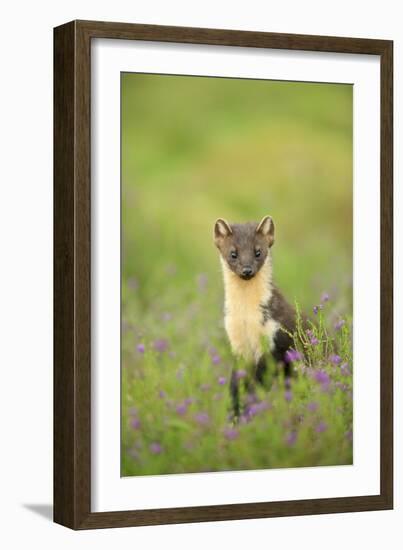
x: 247, y: 273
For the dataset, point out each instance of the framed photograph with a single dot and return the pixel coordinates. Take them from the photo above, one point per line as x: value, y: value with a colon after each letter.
x: 222, y: 220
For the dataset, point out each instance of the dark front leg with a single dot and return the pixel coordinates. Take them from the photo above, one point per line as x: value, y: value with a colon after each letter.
x: 234, y: 387
x: 282, y: 343
x: 260, y: 370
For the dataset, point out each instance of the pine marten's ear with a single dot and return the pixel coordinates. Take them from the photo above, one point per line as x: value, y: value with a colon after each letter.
x: 221, y: 230
x: 266, y: 228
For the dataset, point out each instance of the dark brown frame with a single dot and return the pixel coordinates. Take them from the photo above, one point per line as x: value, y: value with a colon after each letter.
x: 72, y: 267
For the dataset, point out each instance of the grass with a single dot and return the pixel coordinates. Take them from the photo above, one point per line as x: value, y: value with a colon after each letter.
x: 194, y: 149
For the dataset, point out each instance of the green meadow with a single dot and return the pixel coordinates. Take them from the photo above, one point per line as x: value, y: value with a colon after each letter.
x: 195, y: 149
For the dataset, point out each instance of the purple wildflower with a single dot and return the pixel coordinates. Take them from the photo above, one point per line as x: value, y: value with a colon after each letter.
x: 240, y: 373
x: 202, y: 418
x: 312, y: 406
x: 141, y: 348
x: 321, y: 427
x: 291, y: 438
x: 188, y: 401
x: 288, y: 395
x: 216, y: 360
x: 257, y: 408
x: 135, y: 423
x: 231, y: 434
x: 335, y: 359
x: 181, y: 408
x: 212, y: 351
x: 161, y: 345
x: 156, y: 448
x: 322, y: 377
x: 325, y: 297
x: 293, y: 355
x: 222, y: 380
x: 339, y: 324
x: 161, y: 394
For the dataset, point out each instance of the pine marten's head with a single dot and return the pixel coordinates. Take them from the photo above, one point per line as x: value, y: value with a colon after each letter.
x: 244, y: 247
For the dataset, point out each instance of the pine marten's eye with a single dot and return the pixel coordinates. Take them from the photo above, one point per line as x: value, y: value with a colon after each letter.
x: 234, y: 254
x: 257, y: 253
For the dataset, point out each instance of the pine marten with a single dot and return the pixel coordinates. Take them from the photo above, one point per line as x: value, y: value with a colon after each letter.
x: 254, y: 308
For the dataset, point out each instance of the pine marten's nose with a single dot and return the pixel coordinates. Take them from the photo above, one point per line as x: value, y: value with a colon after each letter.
x: 247, y: 271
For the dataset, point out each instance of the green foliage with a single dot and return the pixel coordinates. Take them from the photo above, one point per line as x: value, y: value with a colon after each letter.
x: 194, y: 149
x: 179, y: 397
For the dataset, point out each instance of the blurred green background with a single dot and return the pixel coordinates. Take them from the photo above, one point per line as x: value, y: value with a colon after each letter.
x: 195, y: 149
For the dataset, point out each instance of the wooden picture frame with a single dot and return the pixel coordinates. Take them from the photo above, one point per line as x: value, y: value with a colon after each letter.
x: 72, y: 274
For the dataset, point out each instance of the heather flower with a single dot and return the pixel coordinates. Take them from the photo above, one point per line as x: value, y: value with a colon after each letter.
x: 135, y: 423
x: 213, y: 351
x: 321, y: 427
x: 222, y: 380
x: 291, y: 438
x: 322, y: 377
x: 339, y: 324
x: 202, y: 418
x: 256, y: 408
x: 288, y: 395
x: 293, y: 355
x: 156, y: 448
x: 161, y: 394
x: 335, y: 359
x: 312, y: 338
x: 325, y: 297
x: 231, y: 434
x: 312, y: 406
x: 161, y: 345
x: 181, y: 408
x: 240, y: 373
x: 216, y: 360
x: 141, y: 348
